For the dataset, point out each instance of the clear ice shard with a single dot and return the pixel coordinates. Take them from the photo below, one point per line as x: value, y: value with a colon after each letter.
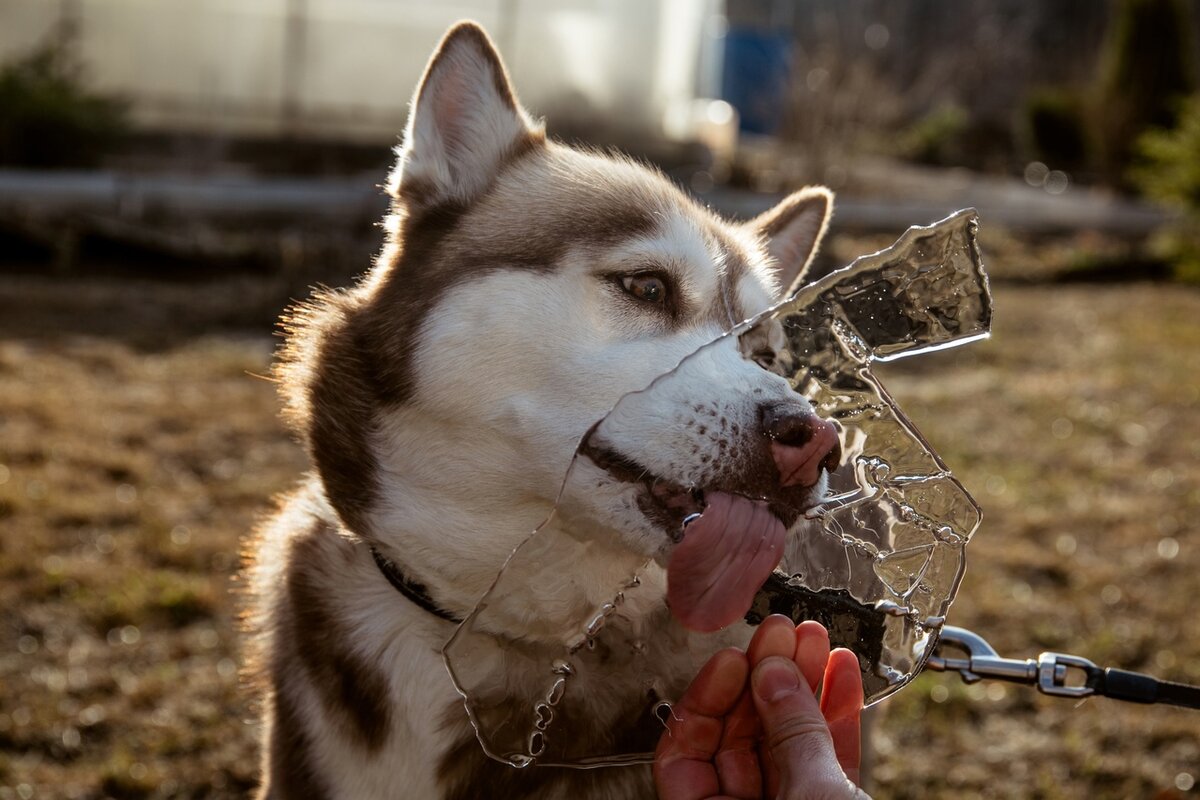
x: 877, y: 557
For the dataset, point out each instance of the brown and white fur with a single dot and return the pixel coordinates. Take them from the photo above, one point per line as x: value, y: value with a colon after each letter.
x: 441, y: 399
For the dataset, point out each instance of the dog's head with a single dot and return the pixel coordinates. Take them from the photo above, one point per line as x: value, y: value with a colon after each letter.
x: 524, y: 288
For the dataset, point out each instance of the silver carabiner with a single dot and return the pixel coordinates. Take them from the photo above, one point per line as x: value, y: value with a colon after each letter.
x: 982, y: 660
x: 1048, y: 673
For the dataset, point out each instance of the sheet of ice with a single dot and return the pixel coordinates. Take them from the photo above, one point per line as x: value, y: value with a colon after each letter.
x: 878, y: 560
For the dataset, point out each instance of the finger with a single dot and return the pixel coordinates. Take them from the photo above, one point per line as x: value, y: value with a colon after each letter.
x: 809, y: 645
x: 847, y: 746
x: 812, y: 652
x: 776, y: 636
x: 794, y: 729
x: 841, y: 704
x: 683, y: 761
x: 737, y: 762
x: 769, y: 770
x: 843, y: 695
x: 718, y: 686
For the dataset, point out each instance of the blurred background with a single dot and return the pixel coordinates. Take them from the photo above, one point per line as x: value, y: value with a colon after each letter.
x: 173, y: 174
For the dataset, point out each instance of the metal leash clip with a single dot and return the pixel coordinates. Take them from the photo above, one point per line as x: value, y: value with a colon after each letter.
x: 1049, y: 672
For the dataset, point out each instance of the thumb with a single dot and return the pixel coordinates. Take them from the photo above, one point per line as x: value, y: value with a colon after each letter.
x: 796, y: 733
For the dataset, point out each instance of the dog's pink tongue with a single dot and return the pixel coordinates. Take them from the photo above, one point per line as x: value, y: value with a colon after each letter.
x: 725, y: 557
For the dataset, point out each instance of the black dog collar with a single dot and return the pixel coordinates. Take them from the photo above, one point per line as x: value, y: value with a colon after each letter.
x: 406, y: 586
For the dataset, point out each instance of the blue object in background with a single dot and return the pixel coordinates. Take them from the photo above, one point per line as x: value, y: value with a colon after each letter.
x: 756, y: 77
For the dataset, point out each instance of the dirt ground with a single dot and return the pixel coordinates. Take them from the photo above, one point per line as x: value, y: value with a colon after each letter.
x: 138, y: 443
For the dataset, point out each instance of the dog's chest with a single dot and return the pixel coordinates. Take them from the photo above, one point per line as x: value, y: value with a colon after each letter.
x: 466, y: 773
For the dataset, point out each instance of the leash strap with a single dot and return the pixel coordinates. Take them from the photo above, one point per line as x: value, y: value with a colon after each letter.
x: 415, y: 592
x: 1055, y: 674
x: 1135, y: 687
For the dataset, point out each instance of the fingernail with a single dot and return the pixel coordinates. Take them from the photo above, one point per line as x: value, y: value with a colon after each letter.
x: 774, y: 678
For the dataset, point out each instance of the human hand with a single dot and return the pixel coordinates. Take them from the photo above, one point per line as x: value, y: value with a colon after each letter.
x: 750, y: 725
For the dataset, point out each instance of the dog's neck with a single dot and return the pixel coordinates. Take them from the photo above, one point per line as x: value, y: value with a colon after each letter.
x: 453, y: 503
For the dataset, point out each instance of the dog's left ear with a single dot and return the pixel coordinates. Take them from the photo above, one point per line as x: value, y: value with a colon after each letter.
x: 793, y: 231
x: 463, y: 123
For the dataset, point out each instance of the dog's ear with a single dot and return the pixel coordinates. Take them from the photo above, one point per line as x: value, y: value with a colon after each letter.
x: 464, y: 121
x: 793, y: 231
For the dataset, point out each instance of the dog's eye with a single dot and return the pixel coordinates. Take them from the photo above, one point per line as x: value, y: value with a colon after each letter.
x: 764, y: 358
x: 645, y: 287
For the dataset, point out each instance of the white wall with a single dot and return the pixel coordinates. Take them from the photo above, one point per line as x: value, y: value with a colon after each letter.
x: 346, y: 68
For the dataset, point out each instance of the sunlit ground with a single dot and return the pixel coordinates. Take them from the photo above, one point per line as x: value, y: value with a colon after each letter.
x: 137, y: 448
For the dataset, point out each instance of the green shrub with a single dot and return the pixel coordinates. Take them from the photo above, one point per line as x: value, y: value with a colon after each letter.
x: 1168, y: 170
x: 1168, y: 167
x: 48, y: 119
x: 936, y: 138
x: 1146, y: 69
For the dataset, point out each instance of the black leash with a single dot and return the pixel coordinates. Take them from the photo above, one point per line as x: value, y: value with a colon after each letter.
x: 1051, y: 673
x: 1138, y: 688
x: 415, y: 592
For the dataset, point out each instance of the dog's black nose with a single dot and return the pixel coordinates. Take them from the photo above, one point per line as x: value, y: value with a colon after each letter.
x: 807, y: 442
x: 788, y: 423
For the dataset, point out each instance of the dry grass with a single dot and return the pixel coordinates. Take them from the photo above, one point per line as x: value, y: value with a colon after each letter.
x: 128, y: 478
x: 135, y: 454
x: 1076, y: 426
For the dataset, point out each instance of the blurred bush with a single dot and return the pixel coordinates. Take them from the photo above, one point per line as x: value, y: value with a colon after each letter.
x: 937, y: 137
x: 1169, y: 166
x: 1146, y: 68
x: 1168, y: 169
x: 48, y: 118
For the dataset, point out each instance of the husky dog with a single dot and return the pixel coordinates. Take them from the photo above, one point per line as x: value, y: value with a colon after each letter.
x: 524, y: 287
